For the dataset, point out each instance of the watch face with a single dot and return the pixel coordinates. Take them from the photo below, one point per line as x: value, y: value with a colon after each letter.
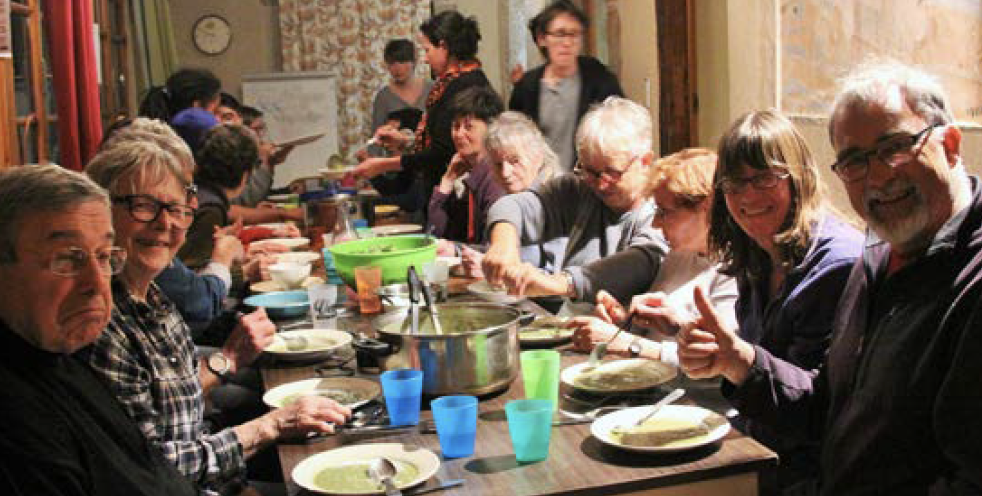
x: 212, y: 34
x: 219, y: 363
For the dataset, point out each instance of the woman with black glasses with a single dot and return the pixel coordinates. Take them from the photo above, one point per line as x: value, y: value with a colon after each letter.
x: 771, y: 228
x: 146, y: 356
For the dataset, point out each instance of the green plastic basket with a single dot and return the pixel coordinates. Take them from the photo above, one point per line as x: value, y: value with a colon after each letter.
x: 403, y: 251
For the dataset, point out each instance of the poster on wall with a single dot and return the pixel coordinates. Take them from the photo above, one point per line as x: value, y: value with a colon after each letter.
x: 6, y: 50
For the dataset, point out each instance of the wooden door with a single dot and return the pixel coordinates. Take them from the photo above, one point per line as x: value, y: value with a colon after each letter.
x: 677, y: 122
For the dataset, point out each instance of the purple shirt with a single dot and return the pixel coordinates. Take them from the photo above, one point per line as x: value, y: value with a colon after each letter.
x: 449, y: 214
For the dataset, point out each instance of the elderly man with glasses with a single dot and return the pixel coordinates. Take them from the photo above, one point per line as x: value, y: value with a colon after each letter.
x: 572, y: 220
x: 61, y: 431
x: 897, y: 403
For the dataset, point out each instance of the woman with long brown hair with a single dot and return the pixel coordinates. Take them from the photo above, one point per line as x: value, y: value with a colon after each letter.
x: 771, y: 228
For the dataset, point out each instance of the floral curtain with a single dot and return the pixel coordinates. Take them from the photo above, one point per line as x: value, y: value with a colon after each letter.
x: 347, y: 37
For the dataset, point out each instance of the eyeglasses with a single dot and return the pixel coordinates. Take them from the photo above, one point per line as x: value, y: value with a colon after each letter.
x: 70, y: 262
x: 896, y: 151
x: 145, y: 208
x: 565, y: 35
x: 612, y: 175
x: 761, y: 181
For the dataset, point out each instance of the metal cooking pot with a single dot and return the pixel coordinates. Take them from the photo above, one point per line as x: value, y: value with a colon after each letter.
x: 476, y: 354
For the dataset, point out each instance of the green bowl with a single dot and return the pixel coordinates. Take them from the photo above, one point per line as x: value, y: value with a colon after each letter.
x: 403, y: 251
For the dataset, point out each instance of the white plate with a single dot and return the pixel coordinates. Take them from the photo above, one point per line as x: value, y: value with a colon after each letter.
x: 492, y: 294
x: 320, y: 344
x: 334, y: 174
x: 660, y: 373
x: 602, y: 427
x: 364, y: 390
x: 394, y: 229
x: 270, y: 286
x: 273, y: 225
x: 545, y: 331
x: 281, y: 198
x: 300, y: 257
x: 450, y: 261
x: 423, y: 459
x: 291, y: 243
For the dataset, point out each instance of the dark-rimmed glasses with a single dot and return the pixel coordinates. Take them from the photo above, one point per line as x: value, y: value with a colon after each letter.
x: 565, y: 35
x: 612, y: 175
x: 147, y: 209
x: 763, y: 180
x: 71, y: 261
x: 894, y: 151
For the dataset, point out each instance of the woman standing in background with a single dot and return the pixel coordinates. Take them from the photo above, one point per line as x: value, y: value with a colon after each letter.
x: 557, y: 94
x: 450, y: 42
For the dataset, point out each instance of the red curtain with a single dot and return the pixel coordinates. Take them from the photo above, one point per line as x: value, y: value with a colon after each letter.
x: 76, y: 85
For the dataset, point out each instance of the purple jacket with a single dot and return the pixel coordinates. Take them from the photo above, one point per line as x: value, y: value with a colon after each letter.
x: 449, y: 215
x: 795, y: 325
x: 898, y: 402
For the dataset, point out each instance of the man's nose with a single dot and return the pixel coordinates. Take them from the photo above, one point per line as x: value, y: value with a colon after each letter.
x: 878, y: 171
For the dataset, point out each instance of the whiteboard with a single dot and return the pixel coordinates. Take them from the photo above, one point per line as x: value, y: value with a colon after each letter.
x: 294, y: 105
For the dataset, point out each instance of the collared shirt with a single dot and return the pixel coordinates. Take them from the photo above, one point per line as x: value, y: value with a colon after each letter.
x: 147, y: 358
x: 898, y: 403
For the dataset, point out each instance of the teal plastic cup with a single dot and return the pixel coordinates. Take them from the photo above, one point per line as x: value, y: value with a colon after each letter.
x: 530, y: 427
x: 540, y: 373
x: 456, y: 424
x: 403, y: 391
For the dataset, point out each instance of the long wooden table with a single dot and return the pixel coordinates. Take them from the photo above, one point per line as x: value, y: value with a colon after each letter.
x: 578, y: 464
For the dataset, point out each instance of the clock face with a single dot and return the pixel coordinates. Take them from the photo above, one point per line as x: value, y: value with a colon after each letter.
x: 212, y: 34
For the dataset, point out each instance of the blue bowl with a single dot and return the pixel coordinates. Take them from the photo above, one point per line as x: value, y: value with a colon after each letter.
x: 281, y: 304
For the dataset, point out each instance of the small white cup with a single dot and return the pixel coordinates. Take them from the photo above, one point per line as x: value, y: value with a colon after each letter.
x: 289, y: 275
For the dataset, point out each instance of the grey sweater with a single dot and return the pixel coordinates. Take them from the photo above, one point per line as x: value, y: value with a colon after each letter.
x: 563, y: 225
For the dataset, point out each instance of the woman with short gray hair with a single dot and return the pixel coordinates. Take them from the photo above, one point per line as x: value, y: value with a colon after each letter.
x: 572, y: 220
x: 520, y: 157
x: 146, y: 355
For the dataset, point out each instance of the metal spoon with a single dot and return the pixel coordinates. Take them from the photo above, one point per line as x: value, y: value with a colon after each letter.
x: 674, y: 395
x: 382, y: 470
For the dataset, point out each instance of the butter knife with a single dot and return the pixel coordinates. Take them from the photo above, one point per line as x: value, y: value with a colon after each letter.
x: 443, y: 485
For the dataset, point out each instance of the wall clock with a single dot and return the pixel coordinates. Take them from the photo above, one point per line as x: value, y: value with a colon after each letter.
x: 211, y: 34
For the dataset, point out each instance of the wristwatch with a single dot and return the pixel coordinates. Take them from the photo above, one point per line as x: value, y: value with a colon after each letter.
x: 570, y: 285
x: 220, y: 365
x: 634, y: 349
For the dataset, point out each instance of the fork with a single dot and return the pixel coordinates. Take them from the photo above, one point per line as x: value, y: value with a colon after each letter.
x: 600, y: 349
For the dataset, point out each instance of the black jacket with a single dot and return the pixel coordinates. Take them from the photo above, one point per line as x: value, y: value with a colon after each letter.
x: 598, y: 84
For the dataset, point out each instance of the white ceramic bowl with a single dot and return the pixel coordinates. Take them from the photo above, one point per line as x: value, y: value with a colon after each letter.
x: 290, y: 243
x: 300, y: 257
x: 289, y: 275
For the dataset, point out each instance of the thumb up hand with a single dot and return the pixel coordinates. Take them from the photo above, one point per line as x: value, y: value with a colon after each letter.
x: 708, y: 347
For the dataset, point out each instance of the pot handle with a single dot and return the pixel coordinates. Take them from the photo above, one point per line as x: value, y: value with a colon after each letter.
x: 526, y: 318
x: 373, y: 347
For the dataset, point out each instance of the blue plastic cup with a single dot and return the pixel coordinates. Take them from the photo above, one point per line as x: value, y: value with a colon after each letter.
x: 403, y: 390
x: 456, y: 424
x: 530, y: 427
